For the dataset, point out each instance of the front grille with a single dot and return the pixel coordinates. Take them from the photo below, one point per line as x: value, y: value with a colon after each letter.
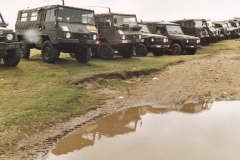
x: 159, y: 41
x: 192, y: 41
x: 132, y: 37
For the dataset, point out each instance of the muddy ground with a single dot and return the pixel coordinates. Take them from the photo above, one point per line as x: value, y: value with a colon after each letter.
x: 213, y: 77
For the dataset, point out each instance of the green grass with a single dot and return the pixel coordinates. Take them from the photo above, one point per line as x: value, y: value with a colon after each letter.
x: 35, y: 94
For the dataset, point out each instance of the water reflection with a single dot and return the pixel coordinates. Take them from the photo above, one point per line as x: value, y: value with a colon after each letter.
x: 197, y: 130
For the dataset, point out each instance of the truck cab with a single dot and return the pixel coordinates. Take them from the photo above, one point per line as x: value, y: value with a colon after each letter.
x: 9, y: 45
x: 57, y: 28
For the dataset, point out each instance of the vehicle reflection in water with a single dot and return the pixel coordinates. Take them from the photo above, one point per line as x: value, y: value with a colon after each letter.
x: 198, y: 130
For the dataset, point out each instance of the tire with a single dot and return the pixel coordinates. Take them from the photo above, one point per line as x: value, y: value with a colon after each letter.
x: 105, y: 51
x: 204, y: 42
x: 24, y: 49
x: 141, y: 50
x: 176, y: 49
x: 191, y: 51
x: 84, y: 55
x: 13, y: 58
x: 49, y: 52
x: 159, y: 52
x: 126, y: 53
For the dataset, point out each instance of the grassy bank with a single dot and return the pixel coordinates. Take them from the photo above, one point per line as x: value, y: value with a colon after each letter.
x: 35, y: 94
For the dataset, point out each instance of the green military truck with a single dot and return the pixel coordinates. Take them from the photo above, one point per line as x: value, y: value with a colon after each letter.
x: 155, y: 43
x: 117, y: 32
x: 177, y: 40
x: 194, y: 27
x: 57, y: 28
x: 9, y: 45
x: 229, y: 32
x: 234, y: 23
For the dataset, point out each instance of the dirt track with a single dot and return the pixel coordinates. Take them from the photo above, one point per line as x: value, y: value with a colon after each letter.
x: 214, y: 77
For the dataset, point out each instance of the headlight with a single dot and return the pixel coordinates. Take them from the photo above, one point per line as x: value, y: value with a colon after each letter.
x: 9, y: 37
x: 94, y: 37
x: 152, y: 39
x: 165, y: 40
x: 198, y: 41
x: 140, y: 36
x: 1, y: 33
x: 123, y: 36
x: 68, y: 35
x: 187, y: 41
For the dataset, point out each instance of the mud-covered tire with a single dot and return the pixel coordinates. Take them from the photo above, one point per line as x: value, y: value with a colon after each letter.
x: 159, y: 52
x: 176, y: 49
x: 126, y: 53
x: 191, y: 51
x: 84, y: 55
x: 49, y: 52
x: 13, y: 58
x: 105, y: 51
x: 141, y: 50
x: 24, y: 49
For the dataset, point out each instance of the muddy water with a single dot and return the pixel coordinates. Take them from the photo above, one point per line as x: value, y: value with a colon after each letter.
x: 194, y: 131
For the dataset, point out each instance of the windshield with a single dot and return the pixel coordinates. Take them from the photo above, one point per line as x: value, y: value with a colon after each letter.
x: 174, y: 29
x: 122, y: 20
x: 224, y: 25
x: 144, y: 28
x: 76, y: 15
x: 198, y: 24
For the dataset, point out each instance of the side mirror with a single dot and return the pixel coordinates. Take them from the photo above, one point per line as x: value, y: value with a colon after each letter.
x: 115, y: 20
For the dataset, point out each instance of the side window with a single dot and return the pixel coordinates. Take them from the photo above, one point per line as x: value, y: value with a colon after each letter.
x: 105, y: 22
x: 24, y: 16
x: 50, y: 15
x: 34, y: 16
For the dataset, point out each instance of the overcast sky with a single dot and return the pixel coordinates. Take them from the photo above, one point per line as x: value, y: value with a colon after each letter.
x: 146, y: 10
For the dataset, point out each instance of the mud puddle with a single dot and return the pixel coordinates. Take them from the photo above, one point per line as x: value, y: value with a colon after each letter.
x: 202, y: 130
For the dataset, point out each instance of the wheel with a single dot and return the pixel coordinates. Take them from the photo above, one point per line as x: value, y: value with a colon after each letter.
x: 24, y: 49
x: 95, y: 53
x: 49, y: 52
x: 191, y: 51
x: 72, y: 54
x: 159, y: 52
x: 105, y: 51
x: 58, y: 54
x: 13, y: 58
x: 203, y: 41
x: 126, y: 53
x: 141, y: 50
x: 176, y: 49
x: 83, y: 56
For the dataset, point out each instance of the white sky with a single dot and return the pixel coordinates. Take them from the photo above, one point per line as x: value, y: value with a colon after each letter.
x: 147, y: 10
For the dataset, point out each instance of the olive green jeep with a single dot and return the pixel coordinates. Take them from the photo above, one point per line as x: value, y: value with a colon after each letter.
x: 155, y: 43
x: 177, y: 40
x: 57, y: 28
x: 9, y: 45
x: 117, y: 32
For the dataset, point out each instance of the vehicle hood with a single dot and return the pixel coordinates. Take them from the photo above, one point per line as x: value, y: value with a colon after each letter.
x: 5, y: 30
x: 147, y: 35
x: 181, y: 36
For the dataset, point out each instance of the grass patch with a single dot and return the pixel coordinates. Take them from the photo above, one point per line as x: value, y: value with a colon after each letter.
x: 35, y: 94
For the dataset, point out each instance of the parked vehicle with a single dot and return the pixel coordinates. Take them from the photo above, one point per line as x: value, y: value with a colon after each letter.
x: 235, y: 24
x: 214, y: 33
x: 57, y: 28
x: 177, y: 40
x: 9, y: 45
x: 228, y: 32
x: 155, y: 43
x: 194, y: 27
x: 117, y: 32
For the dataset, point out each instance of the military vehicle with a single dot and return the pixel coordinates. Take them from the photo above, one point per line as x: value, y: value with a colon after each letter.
x: 9, y: 45
x: 228, y: 32
x: 178, y: 41
x: 234, y: 23
x: 194, y: 27
x: 117, y: 32
x: 214, y: 33
x: 57, y: 28
x: 157, y: 44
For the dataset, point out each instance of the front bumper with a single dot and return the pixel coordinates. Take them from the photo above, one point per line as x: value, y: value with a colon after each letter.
x: 77, y: 41
x: 192, y: 46
x: 8, y: 46
x: 158, y: 46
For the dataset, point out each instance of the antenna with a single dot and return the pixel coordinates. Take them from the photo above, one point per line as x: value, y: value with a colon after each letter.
x: 109, y: 10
